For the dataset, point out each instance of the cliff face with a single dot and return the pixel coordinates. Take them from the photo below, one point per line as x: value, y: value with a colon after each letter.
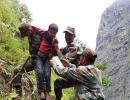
x: 113, y: 48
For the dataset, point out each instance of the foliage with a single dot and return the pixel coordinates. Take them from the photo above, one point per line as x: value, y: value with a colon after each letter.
x: 24, y: 14
x: 101, y: 66
x: 10, y: 45
x: 12, y: 48
x: 80, y: 43
x: 106, y: 81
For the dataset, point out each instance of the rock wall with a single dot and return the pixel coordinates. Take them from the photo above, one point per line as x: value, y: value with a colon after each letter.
x: 113, y: 48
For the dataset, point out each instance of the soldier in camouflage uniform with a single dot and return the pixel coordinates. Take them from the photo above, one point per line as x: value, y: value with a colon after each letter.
x: 86, y: 76
x: 70, y: 53
x: 70, y: 49
x: 34, y: 35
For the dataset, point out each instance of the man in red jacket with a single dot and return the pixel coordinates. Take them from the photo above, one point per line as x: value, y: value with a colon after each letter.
x: 48, y: 48
x: 34, y: 35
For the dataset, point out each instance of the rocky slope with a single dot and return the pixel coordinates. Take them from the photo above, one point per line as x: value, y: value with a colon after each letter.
x: 113, y: 48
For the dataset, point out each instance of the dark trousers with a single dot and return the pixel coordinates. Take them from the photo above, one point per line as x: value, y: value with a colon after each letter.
x: 43, y: 73
x: 60, y: 84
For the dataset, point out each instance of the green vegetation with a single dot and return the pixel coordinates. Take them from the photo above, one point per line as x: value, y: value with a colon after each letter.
x: 101, y: 66
x: 81, y: 44
x: 10, y: 17
x: 106, y: 80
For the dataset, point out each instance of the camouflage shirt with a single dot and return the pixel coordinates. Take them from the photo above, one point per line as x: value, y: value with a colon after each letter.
x: 88, y: 78
x: 71, y: 55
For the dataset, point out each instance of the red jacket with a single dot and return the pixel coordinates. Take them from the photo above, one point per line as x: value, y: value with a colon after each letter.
x: 45, y: 47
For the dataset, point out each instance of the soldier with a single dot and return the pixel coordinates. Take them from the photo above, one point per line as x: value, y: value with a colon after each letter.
x: 70, y: 54
x: 71, y: 48
x: 86, y: 76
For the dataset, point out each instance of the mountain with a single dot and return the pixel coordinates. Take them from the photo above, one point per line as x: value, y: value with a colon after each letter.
x: 113, y: 48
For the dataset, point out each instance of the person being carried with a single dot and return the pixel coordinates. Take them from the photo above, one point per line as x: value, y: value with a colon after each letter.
x: 34, y: 35
x: 48, y: 48
x: 86, y: 76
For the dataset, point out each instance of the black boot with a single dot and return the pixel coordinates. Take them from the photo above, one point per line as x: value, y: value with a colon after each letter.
x: 58, y: 98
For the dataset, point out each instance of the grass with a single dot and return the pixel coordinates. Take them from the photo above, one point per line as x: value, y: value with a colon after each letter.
x: 68, y: 94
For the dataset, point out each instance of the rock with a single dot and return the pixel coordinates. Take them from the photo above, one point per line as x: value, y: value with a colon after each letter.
x: 113, y: 48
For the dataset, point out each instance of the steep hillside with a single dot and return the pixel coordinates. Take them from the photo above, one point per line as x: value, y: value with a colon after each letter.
x: 113, y: 48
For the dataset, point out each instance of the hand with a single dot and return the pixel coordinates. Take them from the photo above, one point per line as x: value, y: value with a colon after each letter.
x: 72, y: 49
x: 52, y: 61
x: 65, y: 62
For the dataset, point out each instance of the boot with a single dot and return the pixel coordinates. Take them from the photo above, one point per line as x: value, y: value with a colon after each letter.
x: 42, y: 96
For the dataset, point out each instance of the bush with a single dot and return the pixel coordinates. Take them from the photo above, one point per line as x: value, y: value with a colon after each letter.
x: 101, y: 66
x: 106, y: 81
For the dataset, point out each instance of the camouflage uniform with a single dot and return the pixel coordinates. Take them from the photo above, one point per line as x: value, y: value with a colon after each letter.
x: 70, y: 53
x: 87, y: 77
x: 61, y: 83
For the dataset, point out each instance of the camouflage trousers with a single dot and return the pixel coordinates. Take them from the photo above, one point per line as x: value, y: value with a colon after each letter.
x: 60, y: 84
x: 81, y: 93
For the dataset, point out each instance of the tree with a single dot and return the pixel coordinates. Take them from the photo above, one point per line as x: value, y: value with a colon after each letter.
x: 80, y: 43
x: 10, y: 45
x: 24, y: 14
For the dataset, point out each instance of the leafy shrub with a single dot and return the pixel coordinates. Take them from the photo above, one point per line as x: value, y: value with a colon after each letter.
x: 106, y: 81
x: 101, y: 66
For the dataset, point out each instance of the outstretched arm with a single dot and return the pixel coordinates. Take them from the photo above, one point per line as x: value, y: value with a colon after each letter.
x: 83, y: 74
x: 70, y: 73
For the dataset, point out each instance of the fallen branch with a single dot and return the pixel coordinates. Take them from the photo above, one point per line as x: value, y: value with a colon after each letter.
x: 5, y: 61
